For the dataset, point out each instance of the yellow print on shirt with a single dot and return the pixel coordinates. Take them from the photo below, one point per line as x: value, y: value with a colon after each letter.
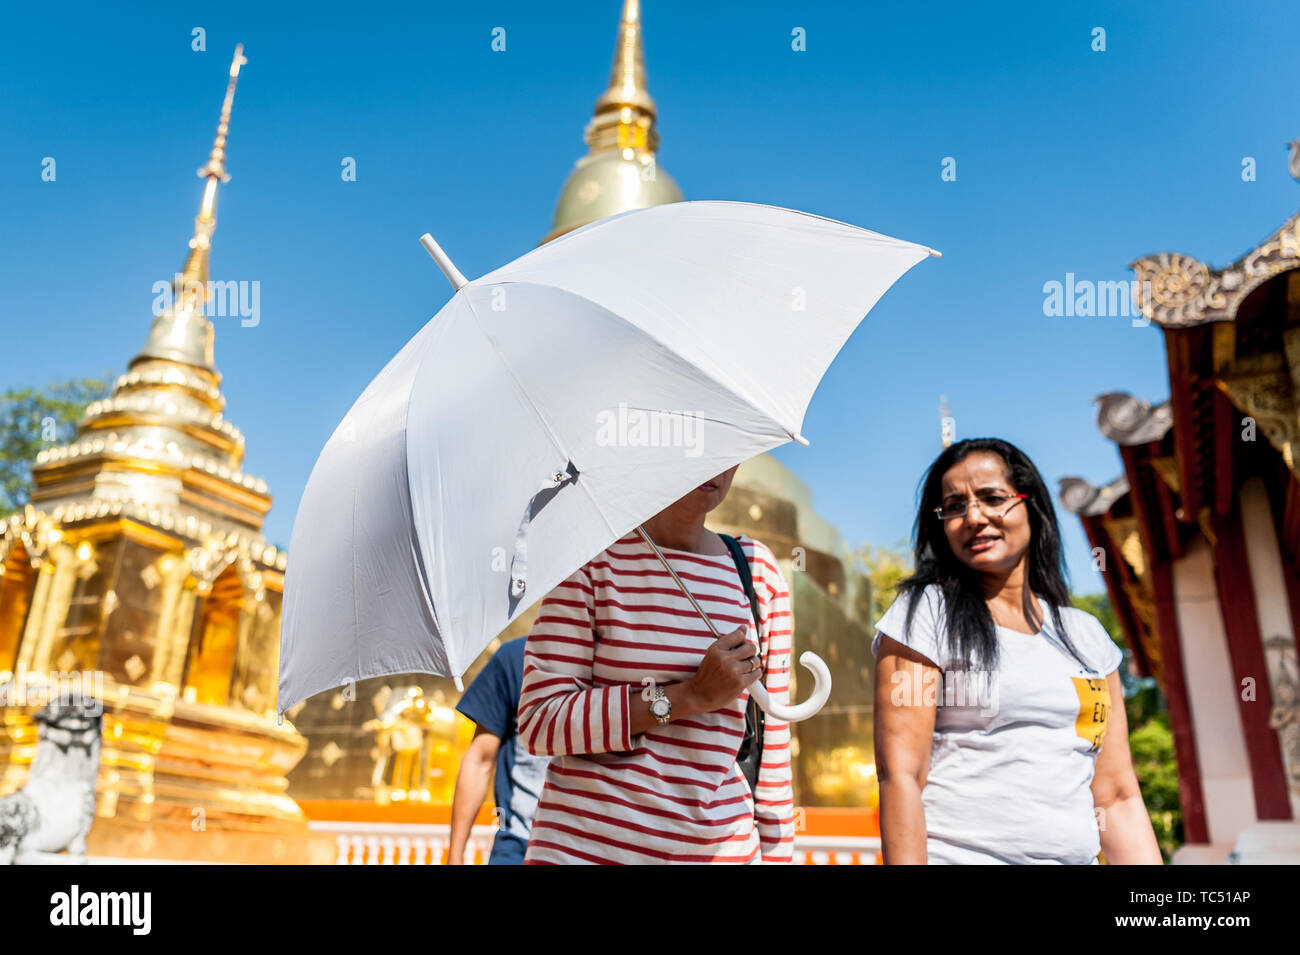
x: 1094, y: 708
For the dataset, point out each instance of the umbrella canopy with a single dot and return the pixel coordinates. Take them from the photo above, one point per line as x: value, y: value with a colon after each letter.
x: 548, y: 409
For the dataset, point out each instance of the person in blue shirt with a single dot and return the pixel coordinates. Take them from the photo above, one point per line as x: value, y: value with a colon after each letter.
x: 491, y: 702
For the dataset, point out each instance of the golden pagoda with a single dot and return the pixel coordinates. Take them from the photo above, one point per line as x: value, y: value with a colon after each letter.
x: 140, y: 559
x: 619, y: 171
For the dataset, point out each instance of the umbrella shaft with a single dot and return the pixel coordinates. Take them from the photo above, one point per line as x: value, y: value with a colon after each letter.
x: 689, y: 596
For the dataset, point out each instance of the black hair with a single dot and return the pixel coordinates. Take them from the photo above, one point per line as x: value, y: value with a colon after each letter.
x: 971, y: 632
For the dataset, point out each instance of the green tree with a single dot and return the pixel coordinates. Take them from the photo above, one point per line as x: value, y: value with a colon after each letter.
x: 1152, y: 745
x: 31, y: 420
x: 883, y: 567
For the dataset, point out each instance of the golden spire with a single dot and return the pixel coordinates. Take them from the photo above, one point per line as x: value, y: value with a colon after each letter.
x: 162, y: 441
x: 625, y: 113
x: 620, y: 171
x: 195, y: 272
x: 182, y: 332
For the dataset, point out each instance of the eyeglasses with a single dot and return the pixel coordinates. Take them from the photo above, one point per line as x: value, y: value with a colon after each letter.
x: 991, y: 503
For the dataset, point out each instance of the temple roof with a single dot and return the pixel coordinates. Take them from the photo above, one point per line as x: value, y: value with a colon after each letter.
x: 1079, y: 497
x: 1176, y: 290
x: 1232, y: 348
x: 1127, y: 420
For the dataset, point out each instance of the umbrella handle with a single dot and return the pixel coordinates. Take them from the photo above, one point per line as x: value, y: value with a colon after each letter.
x: 780, y: 711
x: 809, y: 707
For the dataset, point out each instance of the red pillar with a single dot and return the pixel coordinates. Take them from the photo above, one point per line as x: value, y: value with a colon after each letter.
x: 1246, y: 651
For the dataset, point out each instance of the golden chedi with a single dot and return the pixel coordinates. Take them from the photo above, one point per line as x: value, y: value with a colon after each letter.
x: 620, y: 171
x: 140, y: 557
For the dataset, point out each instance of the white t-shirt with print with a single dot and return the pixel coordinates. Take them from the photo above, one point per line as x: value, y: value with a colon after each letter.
x: 1013, y: 751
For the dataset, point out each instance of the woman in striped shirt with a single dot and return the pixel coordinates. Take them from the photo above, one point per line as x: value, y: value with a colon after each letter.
x: 627, y: 786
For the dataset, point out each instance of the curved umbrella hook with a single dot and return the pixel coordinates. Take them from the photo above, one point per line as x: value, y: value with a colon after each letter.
x: 793, y: 713
x: 779, y: 711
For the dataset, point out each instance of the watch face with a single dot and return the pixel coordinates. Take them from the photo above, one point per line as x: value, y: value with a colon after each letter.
x: 659, y: 707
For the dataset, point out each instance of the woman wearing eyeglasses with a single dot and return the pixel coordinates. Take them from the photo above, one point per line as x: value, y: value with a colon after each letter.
x: 1000, y: 729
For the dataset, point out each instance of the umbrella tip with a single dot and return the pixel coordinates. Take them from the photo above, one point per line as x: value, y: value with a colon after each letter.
x: 936, y: 253
x: 800, y: 438
x: 457, y: 280
x: 460, y: 687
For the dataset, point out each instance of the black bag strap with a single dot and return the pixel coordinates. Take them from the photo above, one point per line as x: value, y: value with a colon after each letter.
x: 751, y: 747
x: 746, y: 578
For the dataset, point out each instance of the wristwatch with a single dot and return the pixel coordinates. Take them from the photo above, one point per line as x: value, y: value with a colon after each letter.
x: 661, y: 706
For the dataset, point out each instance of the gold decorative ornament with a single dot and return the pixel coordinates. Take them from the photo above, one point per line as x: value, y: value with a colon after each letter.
x: 1175, y: 290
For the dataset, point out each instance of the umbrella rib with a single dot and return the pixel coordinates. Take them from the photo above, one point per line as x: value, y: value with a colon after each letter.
x: 813, y: 215
x: 555, y: 439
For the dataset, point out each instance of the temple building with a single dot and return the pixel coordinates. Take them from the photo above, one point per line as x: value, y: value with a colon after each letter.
x: 140, y: 559
x: 1198, y: 540
x: 833, y: 760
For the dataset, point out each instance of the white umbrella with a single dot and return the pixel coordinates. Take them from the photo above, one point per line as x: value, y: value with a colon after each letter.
x: 547, y: 410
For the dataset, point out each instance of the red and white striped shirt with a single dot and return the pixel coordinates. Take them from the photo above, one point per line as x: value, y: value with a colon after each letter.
x: 673, y: 793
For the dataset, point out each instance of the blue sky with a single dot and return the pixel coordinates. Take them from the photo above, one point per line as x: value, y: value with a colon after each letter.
x: 1067, y: 159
